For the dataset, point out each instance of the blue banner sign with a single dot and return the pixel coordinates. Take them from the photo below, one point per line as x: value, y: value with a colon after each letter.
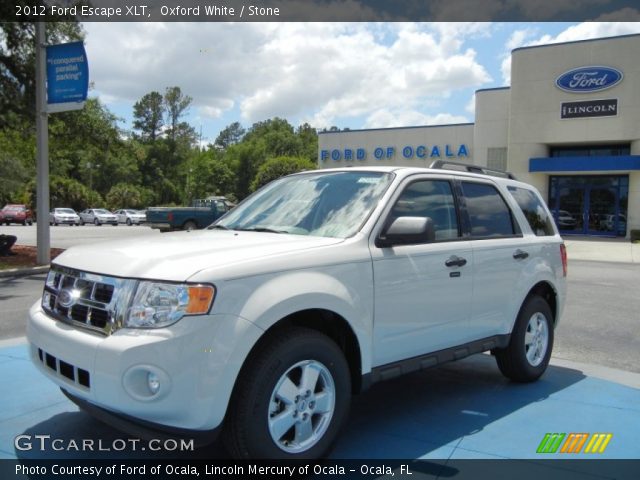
x: 67, y: 76
x: 389, y: 152
x: 589, y: 79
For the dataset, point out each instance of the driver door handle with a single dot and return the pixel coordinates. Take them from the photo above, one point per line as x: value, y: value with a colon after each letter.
x: 455, y: 261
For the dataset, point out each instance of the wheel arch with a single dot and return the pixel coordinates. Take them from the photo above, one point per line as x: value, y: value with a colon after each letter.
x: 325, y: 321
x: 545, y: 290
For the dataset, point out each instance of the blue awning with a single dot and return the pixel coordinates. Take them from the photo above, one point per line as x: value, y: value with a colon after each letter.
x: 584, y: 164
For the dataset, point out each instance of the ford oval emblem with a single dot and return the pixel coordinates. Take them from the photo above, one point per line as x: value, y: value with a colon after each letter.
x: 589, y: 79
x: 66, y: 298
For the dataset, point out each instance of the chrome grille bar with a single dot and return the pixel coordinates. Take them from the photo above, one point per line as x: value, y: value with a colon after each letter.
x: 87, y: 300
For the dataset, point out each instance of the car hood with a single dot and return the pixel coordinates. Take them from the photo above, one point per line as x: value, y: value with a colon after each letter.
x: 178, y: 256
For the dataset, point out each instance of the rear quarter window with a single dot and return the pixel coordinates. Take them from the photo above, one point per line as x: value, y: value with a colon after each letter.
x: 534, y: 211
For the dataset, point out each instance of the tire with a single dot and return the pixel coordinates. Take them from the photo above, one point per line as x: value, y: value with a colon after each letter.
x: 189, y: 225
x: 527, y: 356
x: 96, y: 222
x: 251, y: 429
x: 81, y: 223
x: 128, y: 222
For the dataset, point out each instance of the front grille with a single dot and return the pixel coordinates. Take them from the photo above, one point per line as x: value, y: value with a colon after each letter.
x: 87, y: 300
x: 72, y: 373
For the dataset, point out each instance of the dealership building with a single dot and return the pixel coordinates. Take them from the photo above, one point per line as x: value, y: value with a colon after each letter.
x: 569, y: 124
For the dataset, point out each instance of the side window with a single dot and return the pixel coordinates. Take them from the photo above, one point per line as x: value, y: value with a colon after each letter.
x: 534, y: 211
x: 488, y: 213
x: 433, y: 199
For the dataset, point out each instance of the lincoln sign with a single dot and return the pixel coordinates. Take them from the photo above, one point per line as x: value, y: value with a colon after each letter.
x: 593, y: 108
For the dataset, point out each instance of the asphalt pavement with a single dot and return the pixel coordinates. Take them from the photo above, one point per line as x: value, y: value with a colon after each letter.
x: 463, y: 410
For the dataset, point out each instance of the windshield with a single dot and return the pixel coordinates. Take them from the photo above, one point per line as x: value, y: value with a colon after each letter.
x: 102, y: 211
x: 14, y: 209
x: 325, y: 204
x: 64, y: 210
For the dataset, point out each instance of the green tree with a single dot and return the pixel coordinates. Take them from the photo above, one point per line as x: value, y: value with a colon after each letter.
x: 279, y: 167
x: 210, y: 175
x: 176, y: 105
x: 124, y: 195
x: 17, y: 153
x: 230, y: 135
x: 148, y: 114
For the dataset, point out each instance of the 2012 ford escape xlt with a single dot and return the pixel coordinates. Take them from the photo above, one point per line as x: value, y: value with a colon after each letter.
x: 317, y: 286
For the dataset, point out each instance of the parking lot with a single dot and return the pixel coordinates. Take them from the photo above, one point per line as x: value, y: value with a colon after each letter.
x: 463, y: 410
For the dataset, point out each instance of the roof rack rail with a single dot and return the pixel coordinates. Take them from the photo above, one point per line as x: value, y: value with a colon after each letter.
x: 440, y: 164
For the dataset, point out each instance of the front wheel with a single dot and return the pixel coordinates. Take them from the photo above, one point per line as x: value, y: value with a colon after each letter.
x: 96, y: 222
x: 189, y: 225
x: 527, y: 356
x: 291, y: 399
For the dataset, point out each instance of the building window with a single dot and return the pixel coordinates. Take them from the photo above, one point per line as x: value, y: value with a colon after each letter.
x: 497, y: 158
x: 591, y: 151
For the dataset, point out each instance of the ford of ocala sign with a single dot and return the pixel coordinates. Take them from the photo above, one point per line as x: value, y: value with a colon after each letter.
x: 588, y: 79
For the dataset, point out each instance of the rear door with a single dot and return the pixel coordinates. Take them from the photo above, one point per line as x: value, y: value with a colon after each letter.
x: 500, y: 255
x: 422, y: 291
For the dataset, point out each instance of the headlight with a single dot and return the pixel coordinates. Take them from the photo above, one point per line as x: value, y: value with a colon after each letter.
x: 157, y: 305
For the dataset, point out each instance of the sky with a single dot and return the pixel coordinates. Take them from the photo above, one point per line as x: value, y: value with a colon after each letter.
x: 349, y: 75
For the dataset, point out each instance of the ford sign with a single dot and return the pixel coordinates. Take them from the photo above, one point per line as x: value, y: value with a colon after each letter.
x: 588, y: 79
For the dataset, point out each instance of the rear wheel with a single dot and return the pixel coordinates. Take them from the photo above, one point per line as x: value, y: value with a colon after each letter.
x: 527, y: 356
x: 291, y: 399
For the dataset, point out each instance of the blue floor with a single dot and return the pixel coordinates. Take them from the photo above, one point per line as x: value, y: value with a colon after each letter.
x: 463, y: 410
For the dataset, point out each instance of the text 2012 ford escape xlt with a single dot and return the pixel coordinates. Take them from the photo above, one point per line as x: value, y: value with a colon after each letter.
x: 262, y: 326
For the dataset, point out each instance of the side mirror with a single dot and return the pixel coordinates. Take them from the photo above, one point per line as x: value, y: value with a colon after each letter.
x: 407, y: 231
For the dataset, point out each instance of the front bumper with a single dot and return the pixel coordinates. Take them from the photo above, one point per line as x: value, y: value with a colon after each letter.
x: 196, y: 361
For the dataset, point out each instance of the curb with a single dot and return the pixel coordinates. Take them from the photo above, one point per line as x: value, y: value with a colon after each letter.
x: 24, y: 272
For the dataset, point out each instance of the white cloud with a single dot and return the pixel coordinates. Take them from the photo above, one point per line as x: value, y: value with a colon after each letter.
x: 385, y: 118
x: 581, y: 31
x: 314, y: 71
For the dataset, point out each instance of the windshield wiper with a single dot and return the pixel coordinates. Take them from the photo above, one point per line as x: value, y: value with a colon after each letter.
x: 218, y: 226
x: 260, y: 229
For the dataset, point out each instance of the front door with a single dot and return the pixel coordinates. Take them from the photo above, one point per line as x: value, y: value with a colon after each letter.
x: 422, y: 297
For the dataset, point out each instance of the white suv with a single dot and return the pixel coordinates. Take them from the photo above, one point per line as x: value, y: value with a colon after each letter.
x: 315, y: 287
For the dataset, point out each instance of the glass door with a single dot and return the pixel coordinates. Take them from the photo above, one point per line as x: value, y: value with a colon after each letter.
x: 601, y: 215
x: 569, y: 214
x: 589, y: 205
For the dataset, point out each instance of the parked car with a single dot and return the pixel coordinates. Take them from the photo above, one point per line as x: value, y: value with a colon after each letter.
x: 201, y: 213
x: 65, y: 216
x: 16, y: 213
x: 98, y: 216
x: 130, y: 217
x: 565, y: 220
x: 319, y: 285
x: 608, y: 223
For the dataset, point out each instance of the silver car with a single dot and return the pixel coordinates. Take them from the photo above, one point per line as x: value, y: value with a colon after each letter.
x: 130, y: 217
x: 98, y: 216
x: 64, y: 216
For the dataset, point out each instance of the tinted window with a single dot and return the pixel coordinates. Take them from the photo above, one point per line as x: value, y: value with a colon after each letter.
x: 488, y: 213
x: 433, y: 199
x: 533, y: 210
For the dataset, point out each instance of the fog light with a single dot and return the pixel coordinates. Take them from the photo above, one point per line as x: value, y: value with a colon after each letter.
x: 153, y: 383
